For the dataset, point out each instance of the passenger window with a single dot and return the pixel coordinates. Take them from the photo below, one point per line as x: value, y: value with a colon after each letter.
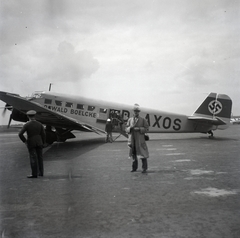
x: 103, y: 110
x: 58, y: 103
x: 69, y: 104
x: 91, y: 108
x: 80, y: 106
x: 47, y: 101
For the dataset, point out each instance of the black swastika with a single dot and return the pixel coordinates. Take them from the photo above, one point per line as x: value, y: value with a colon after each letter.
x: 215, y: 107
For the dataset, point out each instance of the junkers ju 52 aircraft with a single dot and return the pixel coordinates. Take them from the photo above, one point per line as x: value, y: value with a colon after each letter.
x: 62, y: 114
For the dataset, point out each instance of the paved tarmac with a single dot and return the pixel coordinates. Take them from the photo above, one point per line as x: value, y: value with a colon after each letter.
x: 192, y: 188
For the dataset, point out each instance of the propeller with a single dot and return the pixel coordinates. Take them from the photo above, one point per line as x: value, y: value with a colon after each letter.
x: 7, y: 107
x: 9, y: 122
x: 10, y: 108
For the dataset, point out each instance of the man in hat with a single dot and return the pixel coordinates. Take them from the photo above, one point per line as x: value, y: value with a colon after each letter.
x: 35, y: 140
x: 136, y: 128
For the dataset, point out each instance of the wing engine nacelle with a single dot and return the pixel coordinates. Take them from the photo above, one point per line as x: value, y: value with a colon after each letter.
x: 18, y: 116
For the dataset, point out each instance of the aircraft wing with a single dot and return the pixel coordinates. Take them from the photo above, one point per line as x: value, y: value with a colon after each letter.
x: 46, y: 116
x: 213, y: 121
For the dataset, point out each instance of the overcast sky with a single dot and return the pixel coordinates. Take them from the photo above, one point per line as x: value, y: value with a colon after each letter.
x: 162, y: 54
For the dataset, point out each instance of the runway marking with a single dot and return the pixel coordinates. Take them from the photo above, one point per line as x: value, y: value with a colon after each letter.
x: 176, y: 154
x: 166, y: 149
x: 114, y: 150
x: 8, y: 134
x: 195, y: 178
x: 182, y: 160
x: 214, y: 192
x: 200, y: 172
x: 167, y: 145
x: 7, y: 143
x: 221, y: 173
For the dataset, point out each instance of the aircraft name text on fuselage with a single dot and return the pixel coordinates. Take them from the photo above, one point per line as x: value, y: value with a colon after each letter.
x: 72, y: 111
x: 83, y: 113
x: 164, y: 122
x: 153, y: 120
x: 157, y: 121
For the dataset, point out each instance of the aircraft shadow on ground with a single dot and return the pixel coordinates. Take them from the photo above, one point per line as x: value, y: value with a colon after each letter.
x: 71, y: 149
x: 216, y: 138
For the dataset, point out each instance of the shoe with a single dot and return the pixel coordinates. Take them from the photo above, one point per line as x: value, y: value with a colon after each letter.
x: 144, y: 171
x: 31, y: 176
x: 133, y: 170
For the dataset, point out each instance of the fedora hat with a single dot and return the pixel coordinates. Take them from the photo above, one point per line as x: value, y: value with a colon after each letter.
x: 136, y: 107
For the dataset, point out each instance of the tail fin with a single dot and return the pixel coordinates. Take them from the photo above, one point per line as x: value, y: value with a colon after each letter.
x: 216, y: 106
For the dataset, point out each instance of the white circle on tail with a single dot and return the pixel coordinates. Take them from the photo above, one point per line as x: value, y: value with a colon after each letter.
x: 215, y: 107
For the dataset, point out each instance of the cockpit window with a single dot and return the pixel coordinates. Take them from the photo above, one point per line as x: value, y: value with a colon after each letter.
x: 37, y: 94
x: 58, y: 103
x: 69, y: 104
x: 91, y: 108
x: 48, y: 101
x: 80, y: 106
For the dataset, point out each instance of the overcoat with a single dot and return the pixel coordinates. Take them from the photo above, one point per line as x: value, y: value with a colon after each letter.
x: 35, y: 133
x: 138, y: 136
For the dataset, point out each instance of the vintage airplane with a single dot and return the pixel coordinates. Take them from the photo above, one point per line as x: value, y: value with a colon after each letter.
x: 61, y: 114
x: 235, y: 120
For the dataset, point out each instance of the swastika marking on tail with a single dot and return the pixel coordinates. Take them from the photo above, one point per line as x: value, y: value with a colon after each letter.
x: 215, y: 107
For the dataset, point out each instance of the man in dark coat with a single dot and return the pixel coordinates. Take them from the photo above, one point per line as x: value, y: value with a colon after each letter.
x: 136, y: 128
x: 108, y: 129
x: 35, y: 140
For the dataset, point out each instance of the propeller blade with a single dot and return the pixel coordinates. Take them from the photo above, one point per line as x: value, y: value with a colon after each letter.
x: 10, y: 119
x: 4, y: 111
x: 7, y: 107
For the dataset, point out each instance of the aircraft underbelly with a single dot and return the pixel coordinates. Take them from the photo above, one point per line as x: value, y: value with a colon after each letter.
x: 187, y: 127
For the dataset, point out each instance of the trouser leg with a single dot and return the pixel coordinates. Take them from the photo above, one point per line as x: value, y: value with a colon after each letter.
x: 135, y: 163
x: 33, y: 161
x: 40, y: 161
x: 110, y: 136
x: 135, y: 160
x: 130, y: 152
x: 144, y: 164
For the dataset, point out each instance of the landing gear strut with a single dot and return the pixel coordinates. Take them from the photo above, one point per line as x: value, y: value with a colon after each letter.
x: 210, y: 134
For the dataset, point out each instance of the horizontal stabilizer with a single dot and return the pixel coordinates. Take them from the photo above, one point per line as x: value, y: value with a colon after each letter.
x: 214, y: 121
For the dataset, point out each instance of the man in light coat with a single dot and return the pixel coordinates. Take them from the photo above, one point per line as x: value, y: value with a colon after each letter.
x: 136, y: 128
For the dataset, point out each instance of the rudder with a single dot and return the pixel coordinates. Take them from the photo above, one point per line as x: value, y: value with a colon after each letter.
x: 215, y: 105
